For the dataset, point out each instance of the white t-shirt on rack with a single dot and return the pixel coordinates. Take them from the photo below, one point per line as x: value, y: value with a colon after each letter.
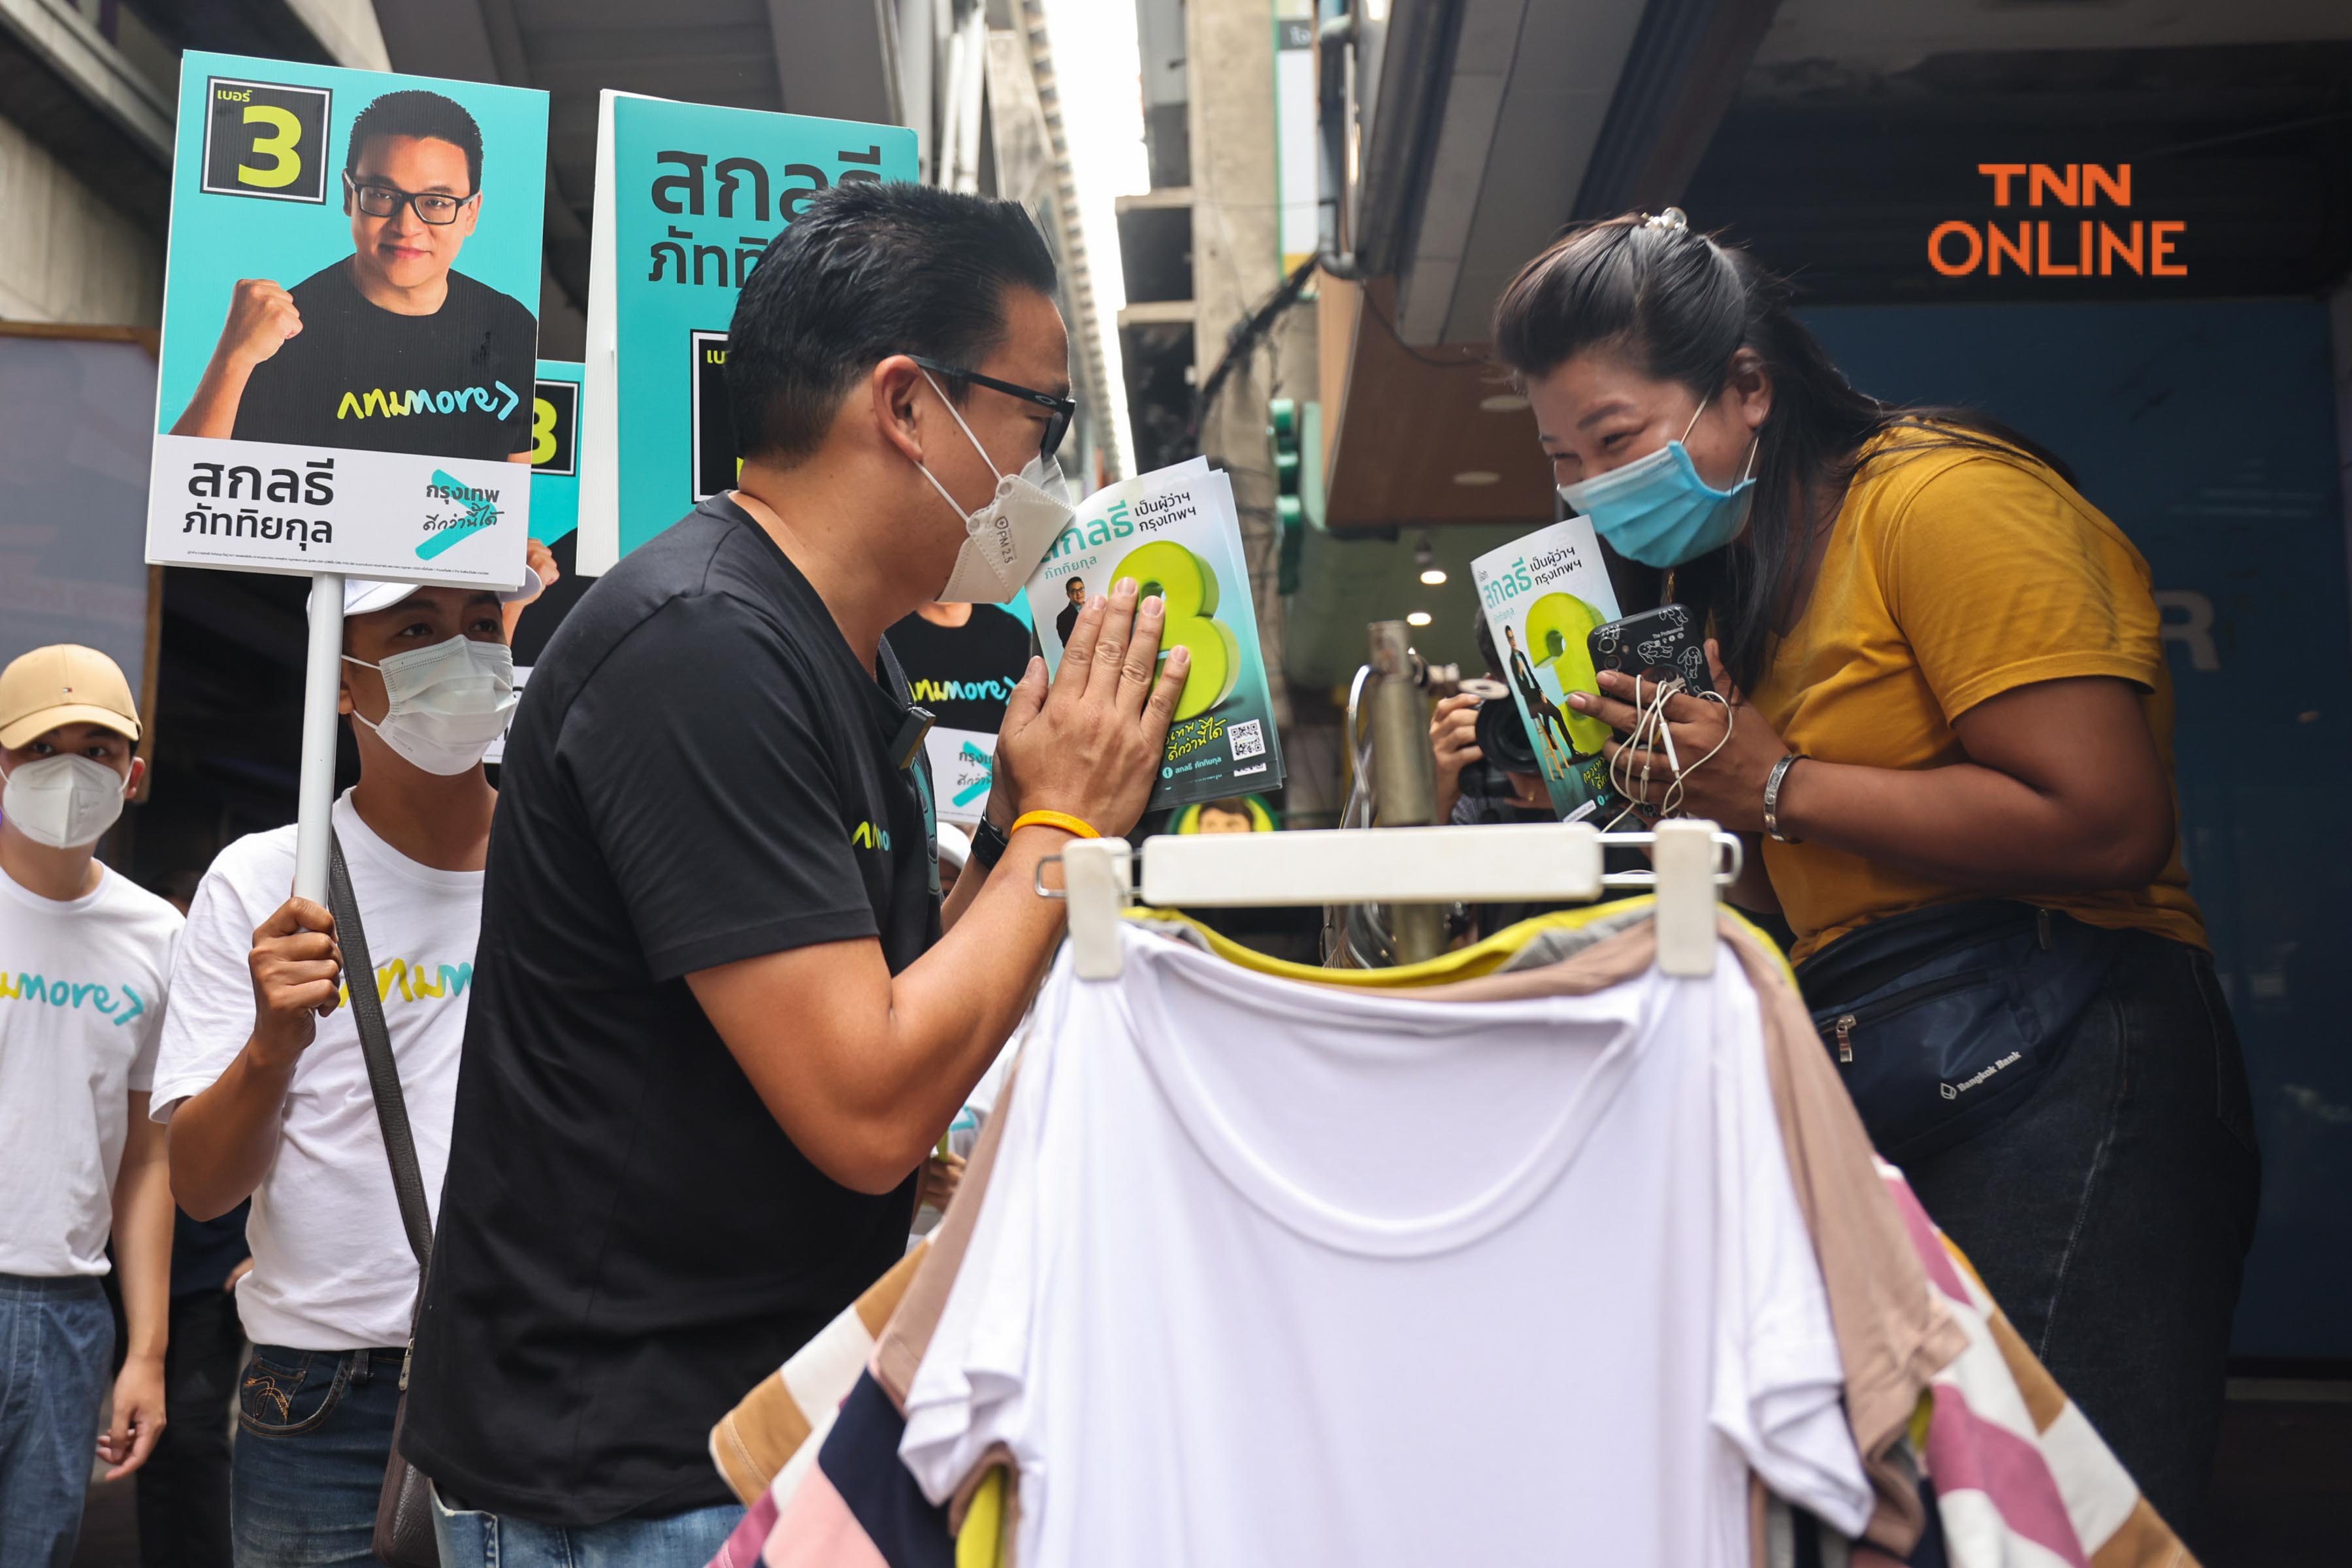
x: 81, y: 1004
x: 331, y: 1267
x: 1281, y: 1274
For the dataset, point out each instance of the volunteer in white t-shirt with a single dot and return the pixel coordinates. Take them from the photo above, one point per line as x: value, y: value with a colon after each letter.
x: 262, y: 1078
x: 84, y: 958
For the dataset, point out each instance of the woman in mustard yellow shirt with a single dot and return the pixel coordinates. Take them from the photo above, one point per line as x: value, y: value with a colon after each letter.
x: 1948, y: 735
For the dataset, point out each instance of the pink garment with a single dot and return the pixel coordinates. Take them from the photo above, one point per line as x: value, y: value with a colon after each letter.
x: 2020, y: 1476
x: 751, y: 1534
x: 816, y: 1529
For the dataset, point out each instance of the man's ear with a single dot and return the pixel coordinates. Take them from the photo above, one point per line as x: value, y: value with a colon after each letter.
x: 138, y: 772
x: 893, y: 388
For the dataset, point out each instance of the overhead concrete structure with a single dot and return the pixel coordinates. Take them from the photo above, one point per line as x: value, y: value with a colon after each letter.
x: 1831, y: 134
x: 86, y: 92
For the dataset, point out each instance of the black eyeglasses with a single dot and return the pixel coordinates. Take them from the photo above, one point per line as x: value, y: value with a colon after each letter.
x: 386, y: 201
x: 1063, y: 409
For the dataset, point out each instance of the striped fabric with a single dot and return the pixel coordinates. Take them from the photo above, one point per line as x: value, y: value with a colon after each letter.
x: 767, y: 1445
x: 2021, y: 1478
x: 858, y: 1507
x: 855, y: 1506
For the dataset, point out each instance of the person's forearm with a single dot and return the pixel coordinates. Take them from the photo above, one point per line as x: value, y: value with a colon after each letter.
x: 1753, y: 889
x: 863, y: 1070
x: 142, y: 1243
x: 213, y: 410
x: 968, y: 882
x: 975, y: 875
x: 223, y: 1140
x: 953, y: 1009
x: 1964, y: 825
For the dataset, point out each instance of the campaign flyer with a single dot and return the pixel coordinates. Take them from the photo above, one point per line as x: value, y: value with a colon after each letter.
x: 1176, y: 532
x: 349, y: 323
x: 1543, y: 595
x: 688, y: 196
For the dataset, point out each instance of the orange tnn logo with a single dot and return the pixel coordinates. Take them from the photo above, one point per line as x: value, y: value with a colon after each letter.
x: 2058, y: 247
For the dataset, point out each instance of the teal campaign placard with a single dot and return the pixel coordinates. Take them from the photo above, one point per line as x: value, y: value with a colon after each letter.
x: 555, y: 450
x: 349, y: 323
x: 688, y: 196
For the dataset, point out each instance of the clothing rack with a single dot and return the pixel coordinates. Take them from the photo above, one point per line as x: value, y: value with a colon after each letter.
x: 1499, y: 864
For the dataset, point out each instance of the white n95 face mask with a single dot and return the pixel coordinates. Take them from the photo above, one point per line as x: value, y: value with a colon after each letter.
x: 62, y: 802
x: 1003, y: 541
x: 448, y: 703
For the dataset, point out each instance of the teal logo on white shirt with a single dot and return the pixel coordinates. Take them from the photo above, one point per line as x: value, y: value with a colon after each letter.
x: 74, y: 994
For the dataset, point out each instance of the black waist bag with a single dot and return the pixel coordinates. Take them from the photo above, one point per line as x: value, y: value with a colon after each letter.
x: 1943, y: 1021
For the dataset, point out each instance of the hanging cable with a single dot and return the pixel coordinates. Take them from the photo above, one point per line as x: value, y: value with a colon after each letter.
x: 1651, y: 734
x: 1247, y: 337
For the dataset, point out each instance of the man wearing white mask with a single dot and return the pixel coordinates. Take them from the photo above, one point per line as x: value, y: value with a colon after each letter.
x: 262, y: 1079
x: 86, y: 956
x: 721, y: 1016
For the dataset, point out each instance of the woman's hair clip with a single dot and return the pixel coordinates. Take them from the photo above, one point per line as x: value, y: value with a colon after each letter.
x: 1672, y: 218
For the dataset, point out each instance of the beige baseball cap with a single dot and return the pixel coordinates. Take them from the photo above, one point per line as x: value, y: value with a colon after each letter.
x: 64, y: 683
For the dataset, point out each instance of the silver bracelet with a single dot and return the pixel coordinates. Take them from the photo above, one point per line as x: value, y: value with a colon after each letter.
x: 1772, y: 798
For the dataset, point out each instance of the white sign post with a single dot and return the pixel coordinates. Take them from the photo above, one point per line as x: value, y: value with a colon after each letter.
x: 314, y: 797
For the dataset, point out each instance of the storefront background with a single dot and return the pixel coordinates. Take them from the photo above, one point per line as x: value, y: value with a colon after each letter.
x: 73, y: 496
x: 2206, y: 431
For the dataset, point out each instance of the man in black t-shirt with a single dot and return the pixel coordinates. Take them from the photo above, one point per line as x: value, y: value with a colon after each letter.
x: 715, y: 1026
x: 389, y: 349
x: 962, y: 661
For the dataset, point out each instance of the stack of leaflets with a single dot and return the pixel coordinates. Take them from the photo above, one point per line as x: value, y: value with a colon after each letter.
x: 1543, y: 595
x: 1175, y: 532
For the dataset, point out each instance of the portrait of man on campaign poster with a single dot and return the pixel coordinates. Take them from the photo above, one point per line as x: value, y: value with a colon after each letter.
x: 351, y: 333
x: 295, y: 362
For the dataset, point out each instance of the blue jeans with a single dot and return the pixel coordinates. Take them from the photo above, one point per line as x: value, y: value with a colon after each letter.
x: 2110, y: 1214
x: 57, y: 1341
x: 470, y: 1538
x: 183, y: 1490
x: 314, y: 1433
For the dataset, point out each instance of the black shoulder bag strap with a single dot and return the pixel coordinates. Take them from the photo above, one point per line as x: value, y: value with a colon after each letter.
x: 403, y: 1515
x: 383, y: 1070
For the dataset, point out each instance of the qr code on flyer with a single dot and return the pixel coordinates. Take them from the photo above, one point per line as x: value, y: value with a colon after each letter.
x: 1247, y: 739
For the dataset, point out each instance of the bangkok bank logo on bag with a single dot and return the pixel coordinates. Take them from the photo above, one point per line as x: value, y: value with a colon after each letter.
x: 1954, y: 1091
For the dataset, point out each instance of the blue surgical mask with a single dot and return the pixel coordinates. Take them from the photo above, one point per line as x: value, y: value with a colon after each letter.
x: 1658, y: 510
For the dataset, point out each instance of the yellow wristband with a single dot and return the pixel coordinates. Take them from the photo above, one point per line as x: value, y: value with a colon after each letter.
x: 1075, y: 826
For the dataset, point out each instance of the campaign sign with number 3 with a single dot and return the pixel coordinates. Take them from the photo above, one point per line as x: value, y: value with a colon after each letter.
x: 350, y: 327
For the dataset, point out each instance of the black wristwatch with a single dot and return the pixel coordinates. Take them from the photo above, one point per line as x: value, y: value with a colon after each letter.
x: 988, y: 844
